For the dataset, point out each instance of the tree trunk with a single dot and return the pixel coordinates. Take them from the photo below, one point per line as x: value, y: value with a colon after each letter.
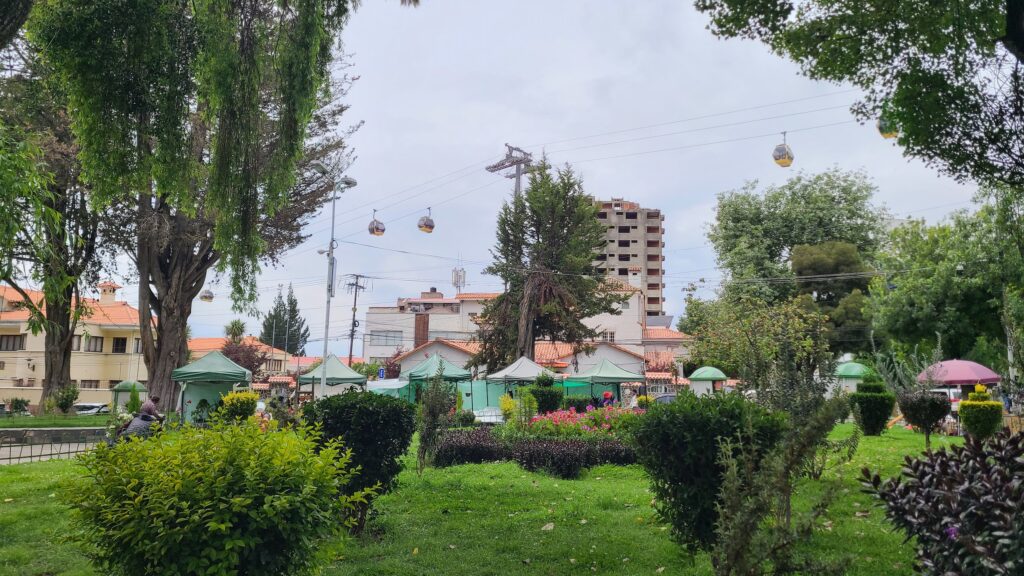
x: 57, y: 344
x: 174, y: 253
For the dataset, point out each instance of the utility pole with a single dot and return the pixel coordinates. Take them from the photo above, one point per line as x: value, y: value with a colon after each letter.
x: 354, y: 287
x: 514, y: 158
x: 338, y: 187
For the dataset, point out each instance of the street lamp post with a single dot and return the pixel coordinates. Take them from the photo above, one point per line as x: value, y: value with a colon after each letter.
x: 338, y: 187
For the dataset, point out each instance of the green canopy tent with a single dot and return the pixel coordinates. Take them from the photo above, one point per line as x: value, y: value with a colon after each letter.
x: 337, y: 375
x: 123, y: 391
x: 430, y: 368
x: 706, y: 376
x: 605, y: 373
x: 522, y: 371
x: 208, y: 378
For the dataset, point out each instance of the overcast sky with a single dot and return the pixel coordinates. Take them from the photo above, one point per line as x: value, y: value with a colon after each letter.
x: 442, y: 87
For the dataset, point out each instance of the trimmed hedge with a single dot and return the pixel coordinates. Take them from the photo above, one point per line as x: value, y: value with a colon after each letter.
x: 923, y: 410
x: 981, y: 418
x: 874, y: 405
x: 377, y: 428
x: 548, y: 398
x: 238, y: 406
x: 561, y: 457
x: 678, y: 445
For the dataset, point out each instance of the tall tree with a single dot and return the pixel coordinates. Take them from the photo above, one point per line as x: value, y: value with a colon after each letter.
x: 946, y: 74
x: 59, y: 252
x: 547, y: 240
x: 754, y: 234
x: 833, y: 279
x: 284, y: 327
x: 948, y: 279
x: 252, y: 357
x: 198, y: 120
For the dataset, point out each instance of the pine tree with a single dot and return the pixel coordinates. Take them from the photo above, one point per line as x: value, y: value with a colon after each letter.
x: 284, y: 327
x: 547, y: 241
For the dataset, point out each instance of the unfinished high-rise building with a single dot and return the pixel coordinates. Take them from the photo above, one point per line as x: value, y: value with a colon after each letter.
x: 634, y: 249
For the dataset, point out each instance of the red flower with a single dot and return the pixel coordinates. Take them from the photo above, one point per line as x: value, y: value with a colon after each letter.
x: 607, y: 395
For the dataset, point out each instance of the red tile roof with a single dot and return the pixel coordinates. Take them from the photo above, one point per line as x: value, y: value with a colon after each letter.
x: 663, y: 334
x: 117, y: 313
x: 211, y: 344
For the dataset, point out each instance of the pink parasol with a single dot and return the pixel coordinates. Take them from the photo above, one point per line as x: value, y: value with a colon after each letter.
x: 959, y: 372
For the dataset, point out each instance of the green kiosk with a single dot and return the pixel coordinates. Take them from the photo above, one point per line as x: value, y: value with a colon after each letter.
x: 205, y: 381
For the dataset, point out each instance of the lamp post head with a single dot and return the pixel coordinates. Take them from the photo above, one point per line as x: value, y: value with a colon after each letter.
x: 347, y: 182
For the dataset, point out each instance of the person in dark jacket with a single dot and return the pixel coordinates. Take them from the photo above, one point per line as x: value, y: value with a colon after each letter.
x: 143, y: 425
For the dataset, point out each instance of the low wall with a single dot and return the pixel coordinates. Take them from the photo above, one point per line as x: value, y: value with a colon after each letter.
x: 51, y: 435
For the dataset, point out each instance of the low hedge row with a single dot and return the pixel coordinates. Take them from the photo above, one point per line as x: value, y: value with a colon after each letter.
x: 561, y: 457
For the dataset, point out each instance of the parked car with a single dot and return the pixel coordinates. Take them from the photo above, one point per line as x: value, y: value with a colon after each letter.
x: 91, y: 409
x: 954, y: 395
x: 665, y: 398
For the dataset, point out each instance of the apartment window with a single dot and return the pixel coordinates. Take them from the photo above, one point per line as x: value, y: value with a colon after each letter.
x: 653, y: 257
x: 630, y: 215
x: 653, y: 244
x: 602, y: 215
x: 654, y: 299
x: 623, y: 257
x: 10, y: 342
x: 653, y: 272
x: 447, y: 335
x: 654, y: 215
x: 600, y: 257
x: 119, y: 346
x: 94, y: 344
x: 21, y: 383
x: 653, y: 286
x: 473, y: 315
x: 653, y: 229
x: 624, y: 305
x: 623, y: 272
x: 624, y: 243
x: 3, y: 365
x: 385, y: 337
x: 138, y: 346
x: 607, y: 336
x: 611, y: 241
x: 112, y: 383
x: 76, y: 343
x: 276, y: 365
x: 90, y: 385
x: 623, y: 229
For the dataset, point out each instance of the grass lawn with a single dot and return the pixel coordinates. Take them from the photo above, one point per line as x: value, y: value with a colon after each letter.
x: 490, y: 520
x: 54, y: 421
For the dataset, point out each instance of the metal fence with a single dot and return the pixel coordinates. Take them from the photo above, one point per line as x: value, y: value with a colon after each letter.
x: 23, y: 446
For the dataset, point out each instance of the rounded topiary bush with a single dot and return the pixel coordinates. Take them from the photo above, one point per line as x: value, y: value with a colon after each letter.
x: 377, y: 428
x: 231, y: 499
x: 923, y: 410
x: 981, y: 416
x: 874, y: 404
x: 238, y: 406
x: 548, y: 398
x: 677, y: 444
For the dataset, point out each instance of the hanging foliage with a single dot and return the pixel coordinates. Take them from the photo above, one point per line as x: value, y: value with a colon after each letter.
x: 203, y: 103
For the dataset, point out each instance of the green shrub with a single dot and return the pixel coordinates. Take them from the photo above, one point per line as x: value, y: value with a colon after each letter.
x: 227, y: 500
x: 17, y: 405
x: 238, y: 406
x: 65, y: 398
x: 285, y: 415
x: 377, y: 429
x: 436, y: 402
x: 678, y: 445
x: 465, y: 418
x: 580, y: 404
x: 548, y: 399
x: 544, y: 380
x: 873, y: 405
x: 134, y: 403
x: 924, y: 410
x: 526, y: 409
x: 981, y: 418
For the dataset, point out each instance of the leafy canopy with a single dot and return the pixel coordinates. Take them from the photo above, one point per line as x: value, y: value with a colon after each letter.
x: 177, y: 98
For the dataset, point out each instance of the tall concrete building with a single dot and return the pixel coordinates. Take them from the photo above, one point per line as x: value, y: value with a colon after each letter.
x: 634, y: 244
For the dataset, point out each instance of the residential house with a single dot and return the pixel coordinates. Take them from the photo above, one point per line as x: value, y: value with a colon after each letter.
x: 106, y: 347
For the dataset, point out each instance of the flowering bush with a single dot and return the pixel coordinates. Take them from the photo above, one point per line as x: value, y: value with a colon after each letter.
x: 607, y: 421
